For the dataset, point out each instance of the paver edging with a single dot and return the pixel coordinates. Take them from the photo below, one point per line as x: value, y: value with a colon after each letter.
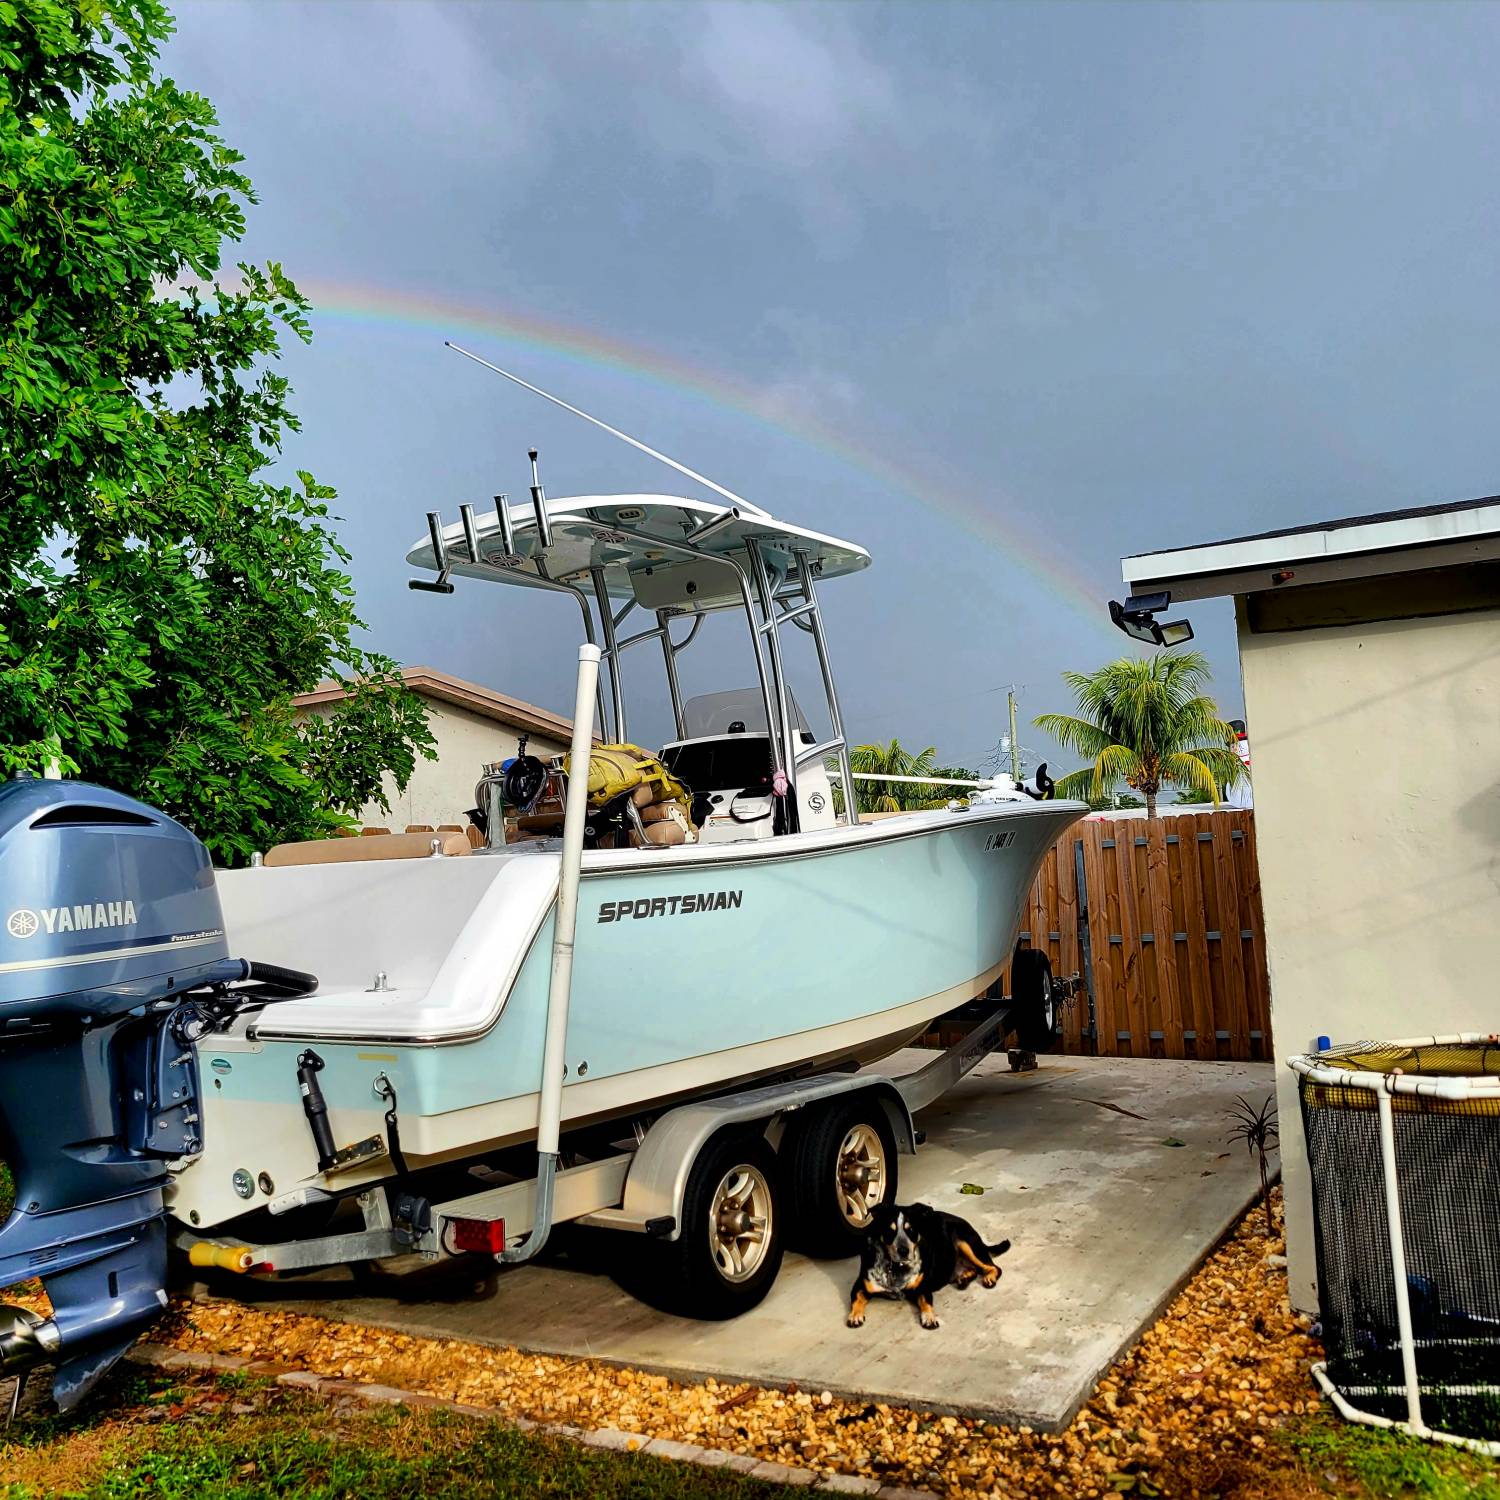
x: 612, y: 1439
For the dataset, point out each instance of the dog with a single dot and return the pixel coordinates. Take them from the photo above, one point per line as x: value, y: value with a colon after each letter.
x: 916, y: 1250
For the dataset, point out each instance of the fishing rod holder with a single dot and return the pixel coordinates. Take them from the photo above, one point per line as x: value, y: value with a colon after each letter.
x: 471, y: 531
x: 507, y: 526
x: 440, y: 584
x: 539, y: 504
x: 714, y: 524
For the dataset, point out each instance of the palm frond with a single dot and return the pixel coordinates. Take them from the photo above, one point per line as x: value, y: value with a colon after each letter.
x: 1076, y: 734
x: 1076, y: 784
x: 1182, y: 768
x: 1115, y: 764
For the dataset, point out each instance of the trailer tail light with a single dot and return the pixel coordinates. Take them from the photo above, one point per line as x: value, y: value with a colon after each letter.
x: 486, y: 1236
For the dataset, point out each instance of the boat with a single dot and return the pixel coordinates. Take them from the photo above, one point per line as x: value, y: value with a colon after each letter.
x: 472, y: 1037
x: 697, y: 967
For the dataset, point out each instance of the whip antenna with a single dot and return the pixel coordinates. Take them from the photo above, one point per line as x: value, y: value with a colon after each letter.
x: 624, y: 437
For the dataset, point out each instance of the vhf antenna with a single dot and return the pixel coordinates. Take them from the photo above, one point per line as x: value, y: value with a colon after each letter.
x: 625, y: 437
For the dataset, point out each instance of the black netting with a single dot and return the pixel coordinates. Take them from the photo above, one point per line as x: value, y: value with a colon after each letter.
x: 1448, y: 1172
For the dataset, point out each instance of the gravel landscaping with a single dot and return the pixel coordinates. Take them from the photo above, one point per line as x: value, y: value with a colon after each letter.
x: 1195, y: 1406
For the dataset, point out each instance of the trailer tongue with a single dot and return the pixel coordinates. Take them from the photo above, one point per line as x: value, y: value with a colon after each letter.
x: 113, y: 963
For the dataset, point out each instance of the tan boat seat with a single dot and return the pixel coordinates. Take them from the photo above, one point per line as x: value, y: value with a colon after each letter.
x: 348, y: 851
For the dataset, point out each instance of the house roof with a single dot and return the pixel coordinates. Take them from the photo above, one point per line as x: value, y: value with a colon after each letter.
x: 1393, y: 541
x: 431, y: 683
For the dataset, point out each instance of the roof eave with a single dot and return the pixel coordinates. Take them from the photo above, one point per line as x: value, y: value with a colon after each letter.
x: 1317, y: 555
x: 431, y: 683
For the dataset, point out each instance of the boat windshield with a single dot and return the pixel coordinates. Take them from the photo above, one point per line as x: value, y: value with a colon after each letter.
x: 719, y: 713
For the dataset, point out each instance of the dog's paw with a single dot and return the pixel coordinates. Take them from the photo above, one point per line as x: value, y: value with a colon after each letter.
x: 990, y: 1278
x: 930, y: 1320
x: 855, y: 1320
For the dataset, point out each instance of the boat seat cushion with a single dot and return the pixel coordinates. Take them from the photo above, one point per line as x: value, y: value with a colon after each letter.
x: 348, y: 851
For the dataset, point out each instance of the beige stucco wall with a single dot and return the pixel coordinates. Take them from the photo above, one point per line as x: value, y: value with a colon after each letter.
x: 441, y: 790
x: 1377, y: 809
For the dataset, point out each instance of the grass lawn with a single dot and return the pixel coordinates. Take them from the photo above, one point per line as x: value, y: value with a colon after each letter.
x: 1335, y: 1457
x: 233, y: 1437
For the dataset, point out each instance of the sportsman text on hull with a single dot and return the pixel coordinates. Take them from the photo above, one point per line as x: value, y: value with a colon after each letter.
x: 670, y: 906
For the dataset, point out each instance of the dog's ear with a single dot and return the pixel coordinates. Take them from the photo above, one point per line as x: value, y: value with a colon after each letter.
x: 918, y: 1215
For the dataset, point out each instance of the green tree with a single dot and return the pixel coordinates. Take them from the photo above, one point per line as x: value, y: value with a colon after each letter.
x: 901, y: 796
x: 162, y: 596
x: 1145, y: 722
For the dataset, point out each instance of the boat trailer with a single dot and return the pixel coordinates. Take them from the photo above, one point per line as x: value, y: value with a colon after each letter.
x: 640, y: 1190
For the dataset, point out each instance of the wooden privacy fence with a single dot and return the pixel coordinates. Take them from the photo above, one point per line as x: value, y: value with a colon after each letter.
x: 1162, y: 918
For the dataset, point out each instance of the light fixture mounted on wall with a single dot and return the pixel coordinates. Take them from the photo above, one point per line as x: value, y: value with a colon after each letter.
x: 1137, y: 618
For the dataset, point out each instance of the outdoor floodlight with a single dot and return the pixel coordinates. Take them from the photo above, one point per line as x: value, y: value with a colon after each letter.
x: 1137, y: 618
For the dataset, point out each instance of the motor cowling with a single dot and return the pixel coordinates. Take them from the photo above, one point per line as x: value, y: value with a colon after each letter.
x: 104, y: 900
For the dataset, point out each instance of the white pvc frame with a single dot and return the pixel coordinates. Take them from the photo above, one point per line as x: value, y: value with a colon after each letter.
x: 1385, y: 1086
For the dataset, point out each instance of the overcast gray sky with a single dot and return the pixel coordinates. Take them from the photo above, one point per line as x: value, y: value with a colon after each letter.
x: 1004, y: 292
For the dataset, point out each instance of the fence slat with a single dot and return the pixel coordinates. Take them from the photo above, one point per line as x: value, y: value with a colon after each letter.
x: 1106, y: 971
x: 1258, y: 979
x: 1232, y: 948
x: 1065, y: 895
x: 1130, y: 938
x: 1164, y: 944
x: 1200, y: 976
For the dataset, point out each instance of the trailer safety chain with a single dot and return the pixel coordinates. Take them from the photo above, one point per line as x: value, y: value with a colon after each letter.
x: 387, y: 1091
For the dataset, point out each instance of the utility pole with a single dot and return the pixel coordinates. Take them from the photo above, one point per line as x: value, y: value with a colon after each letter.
x: 1015, y: 745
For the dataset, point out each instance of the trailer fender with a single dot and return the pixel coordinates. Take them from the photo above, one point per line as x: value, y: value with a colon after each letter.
x: 658, y: 1174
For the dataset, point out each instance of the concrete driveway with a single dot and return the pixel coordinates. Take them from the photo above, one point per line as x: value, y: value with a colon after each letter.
x: 1112, y: 1178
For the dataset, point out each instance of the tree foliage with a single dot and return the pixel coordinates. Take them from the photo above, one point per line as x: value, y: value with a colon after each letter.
x: 1145, y: 722
x: 893, y: 759
x: 162, y: 594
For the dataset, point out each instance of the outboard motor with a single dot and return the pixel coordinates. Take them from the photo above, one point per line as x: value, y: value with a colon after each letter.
x: 113, y: 962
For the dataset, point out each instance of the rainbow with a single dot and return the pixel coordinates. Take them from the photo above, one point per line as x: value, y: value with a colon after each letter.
x: 992, y: 519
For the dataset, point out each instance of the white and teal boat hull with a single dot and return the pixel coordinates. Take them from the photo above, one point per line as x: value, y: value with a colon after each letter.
x: 695, y: 969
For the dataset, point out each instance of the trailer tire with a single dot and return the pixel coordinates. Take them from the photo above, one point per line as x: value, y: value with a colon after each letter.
x: 840, y: 1162
x: 714, y: 1269
x: 1038, y: 1017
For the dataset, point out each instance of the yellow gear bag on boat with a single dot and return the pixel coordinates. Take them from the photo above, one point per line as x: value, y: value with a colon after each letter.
x: 616, y: 769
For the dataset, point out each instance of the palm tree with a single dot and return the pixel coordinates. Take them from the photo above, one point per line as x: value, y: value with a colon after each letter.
x: 1148, y: 723
x: 894, y: 760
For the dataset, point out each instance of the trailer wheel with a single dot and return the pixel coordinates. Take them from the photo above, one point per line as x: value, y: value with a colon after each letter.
x: 731, y: 1243
x: 841, y: 1163
x: 1038, y: 1019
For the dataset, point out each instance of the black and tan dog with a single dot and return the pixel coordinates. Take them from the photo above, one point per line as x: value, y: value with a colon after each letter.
x: 915, y: 1251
